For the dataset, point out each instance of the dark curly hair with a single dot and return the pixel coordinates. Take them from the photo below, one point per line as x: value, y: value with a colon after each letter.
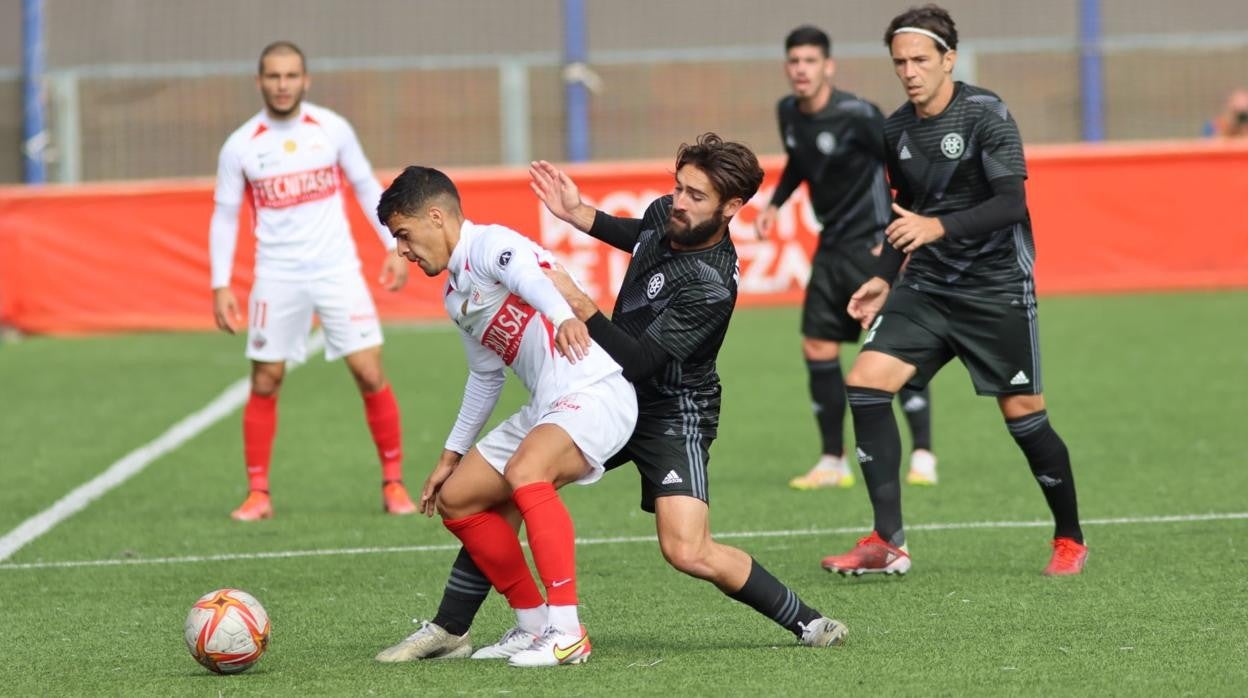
x: 732, y: 167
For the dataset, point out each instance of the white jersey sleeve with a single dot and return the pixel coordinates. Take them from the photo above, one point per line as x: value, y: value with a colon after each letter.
x: 223, y: 230
x: 359, y: 173
x: 486, y: 376
x: 508, y: 257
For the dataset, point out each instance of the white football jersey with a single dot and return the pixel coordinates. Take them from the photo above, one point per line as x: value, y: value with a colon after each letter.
x: 293, y: 171
x: 507, y: 312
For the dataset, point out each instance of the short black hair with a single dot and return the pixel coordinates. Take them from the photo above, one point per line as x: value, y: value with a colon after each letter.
x: 414, y: 189
x: 808, y: 35
x: 933, y: 18
x: 732, y: 167
x: 282, y: 47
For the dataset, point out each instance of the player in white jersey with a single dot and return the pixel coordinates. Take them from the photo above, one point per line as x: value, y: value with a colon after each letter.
x: 581, y: 411
x: 291, y: 158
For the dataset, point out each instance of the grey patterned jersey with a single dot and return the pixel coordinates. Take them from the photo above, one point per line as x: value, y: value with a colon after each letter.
x: 944, y: 164
x: 839, y: 153
x: 683, y: 301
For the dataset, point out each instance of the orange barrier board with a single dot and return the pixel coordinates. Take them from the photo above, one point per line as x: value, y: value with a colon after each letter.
x: 135, y: 256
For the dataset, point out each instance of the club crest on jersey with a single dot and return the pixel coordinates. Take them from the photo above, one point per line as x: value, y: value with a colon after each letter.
x: 504, y: 258
x: 790, y: 141
x: 654, y: 285
x: 951, y: 145
x: 825, y: 142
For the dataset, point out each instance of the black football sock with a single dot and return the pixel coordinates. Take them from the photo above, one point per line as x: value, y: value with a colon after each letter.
x: 917, y: 404
x: 1050, y: 464
x: 879, y: 454
x: 827, y: 393
x: 465, y: 591
x: 767, y: 595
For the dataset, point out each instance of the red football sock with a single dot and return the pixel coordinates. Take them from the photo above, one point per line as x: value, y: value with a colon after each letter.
x: 551, y: 540
x: 492, y: 544
x: 382, y: 411
x: 259, y: 427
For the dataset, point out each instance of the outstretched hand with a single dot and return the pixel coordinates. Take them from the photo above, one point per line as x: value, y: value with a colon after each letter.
x: 555, y: 189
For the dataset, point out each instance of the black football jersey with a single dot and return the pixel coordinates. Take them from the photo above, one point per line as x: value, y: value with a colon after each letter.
x: 839, y: 152
x: 683, y: 300
x: 946, y: 163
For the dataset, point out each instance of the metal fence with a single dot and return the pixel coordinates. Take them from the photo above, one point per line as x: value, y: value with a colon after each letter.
x: 151, y: 88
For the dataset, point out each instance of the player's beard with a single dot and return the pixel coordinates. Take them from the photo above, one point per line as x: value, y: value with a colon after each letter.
x: 696, y: 235
x: 283, y: 113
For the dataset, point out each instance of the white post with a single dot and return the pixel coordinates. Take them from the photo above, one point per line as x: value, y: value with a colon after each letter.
x: 513, y: 106
x: 67, y: 126
x: 967, y: 67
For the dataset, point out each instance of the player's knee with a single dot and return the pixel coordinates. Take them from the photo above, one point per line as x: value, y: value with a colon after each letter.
x: 451, y: 505
x: 820, y: 349
x: 266, y: 380
x: 524, y: 472
x: 886, y: 374
x: 687, y: 556
x: 369, y: 380
x: 1018, y: 406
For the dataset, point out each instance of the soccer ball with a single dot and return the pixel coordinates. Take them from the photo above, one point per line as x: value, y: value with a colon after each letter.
x: 227, y: 631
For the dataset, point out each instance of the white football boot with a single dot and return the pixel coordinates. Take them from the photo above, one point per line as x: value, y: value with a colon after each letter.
x: 513, y: 641
x: 430, y: 642
x: 554, y: 648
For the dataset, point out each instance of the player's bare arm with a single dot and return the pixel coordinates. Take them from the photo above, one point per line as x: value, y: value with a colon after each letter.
x: 225, y: 309
x: 867, y: 301
x: 582, y: 305
x: 911, y: 231
x: 441, y: 471
x: 561, y: 196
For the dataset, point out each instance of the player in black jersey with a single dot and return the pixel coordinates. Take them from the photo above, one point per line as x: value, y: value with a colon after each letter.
x: 835, y: 143
x: 955, y: 158
x: 670, y: 318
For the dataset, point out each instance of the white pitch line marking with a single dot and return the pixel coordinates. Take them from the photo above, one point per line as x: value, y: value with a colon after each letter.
x: 952, y: 526
x: 134, y: 462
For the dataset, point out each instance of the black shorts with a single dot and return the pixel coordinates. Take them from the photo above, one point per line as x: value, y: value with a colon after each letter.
x: 834, y: 276
x: 671, y: 459
x: 999, y: 343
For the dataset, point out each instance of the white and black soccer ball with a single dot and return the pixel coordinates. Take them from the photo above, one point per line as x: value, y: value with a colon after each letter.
x: 227, y: 631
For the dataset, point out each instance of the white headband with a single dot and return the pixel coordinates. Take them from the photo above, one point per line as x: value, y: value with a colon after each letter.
x: 918, y: 30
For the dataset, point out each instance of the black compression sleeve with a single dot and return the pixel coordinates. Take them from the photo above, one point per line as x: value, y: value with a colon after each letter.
x: 620, y: 233
x: 889, y: 263
x: 1008, y: 205
x: 640, y: 359
x: 790, y: 178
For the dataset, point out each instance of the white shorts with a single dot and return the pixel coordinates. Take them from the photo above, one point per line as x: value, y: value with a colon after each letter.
x: 600, y: 419
x: 279, y: 317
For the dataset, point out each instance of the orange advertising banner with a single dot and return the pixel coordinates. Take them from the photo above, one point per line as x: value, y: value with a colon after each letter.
x: 121, y: 257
